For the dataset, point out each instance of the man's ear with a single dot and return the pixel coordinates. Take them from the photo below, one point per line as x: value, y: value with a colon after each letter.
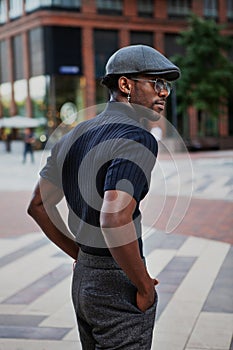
x: 123, y: 84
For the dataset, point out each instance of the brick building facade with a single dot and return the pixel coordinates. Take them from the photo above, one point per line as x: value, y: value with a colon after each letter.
x: 54, y: 51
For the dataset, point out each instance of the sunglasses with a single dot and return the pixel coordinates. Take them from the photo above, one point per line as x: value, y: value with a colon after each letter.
x: 159, y: 84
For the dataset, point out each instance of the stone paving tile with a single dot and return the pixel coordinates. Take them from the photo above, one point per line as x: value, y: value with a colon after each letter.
x: 16, y: 203
x: 178, y: 275
x: 193, y: 246
x: 176, y: 323
x: 212, y: 331
x: 28, y: 332
x: 158, y: 259
x: 199, y: 178
x: 27, y: 270
x: 27, y: 344
x: 73, y: 335
x: 220, y: 298
x: 170, y: 278
x: 204, y: 218
x: 19, y: 253
x: 21, y: 320
x: 229, y: 182
x: 39, y: 287
x: 159, y: 240
x: 51, y: 303
x: 10, y: 244
x: 10, y: 309
x: 205, y: 183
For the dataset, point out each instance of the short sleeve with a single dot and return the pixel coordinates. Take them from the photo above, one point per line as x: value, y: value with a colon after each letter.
x: 133, y: 160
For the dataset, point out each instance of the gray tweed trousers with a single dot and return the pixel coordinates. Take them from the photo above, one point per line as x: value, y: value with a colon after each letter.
x: 105, y: 305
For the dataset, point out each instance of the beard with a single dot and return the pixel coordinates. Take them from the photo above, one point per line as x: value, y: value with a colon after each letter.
x: 145, y: 113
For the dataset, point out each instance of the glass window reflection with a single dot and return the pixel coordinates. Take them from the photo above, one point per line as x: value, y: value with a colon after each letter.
x: 5, y: 98
x: 211, y: 9
x: 4, y: 73
x: 3, y: 13
x: 110, y: 7
x: 230, y: 10
x: 178, y: 8
x: 32, y: 5
x: 16, y: 8
x: 145, y: 8
x: 20, y: 94
x: 38, y: 95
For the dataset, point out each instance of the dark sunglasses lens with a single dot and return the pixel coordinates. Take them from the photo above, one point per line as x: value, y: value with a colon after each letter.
x: 162, y: 85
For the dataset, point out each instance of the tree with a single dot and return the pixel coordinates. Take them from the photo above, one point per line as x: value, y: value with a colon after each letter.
x: 207, y: 73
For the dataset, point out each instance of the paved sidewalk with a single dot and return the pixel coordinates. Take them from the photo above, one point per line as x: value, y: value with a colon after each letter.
x: 195, y: 293
x: 196, y: 287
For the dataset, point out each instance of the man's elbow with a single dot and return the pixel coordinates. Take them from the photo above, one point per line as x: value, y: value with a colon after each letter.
x: 113, y: 220
x: 34, y: 208
x: 35, y: 203
x: 118, y: 230
x: 31, y: 210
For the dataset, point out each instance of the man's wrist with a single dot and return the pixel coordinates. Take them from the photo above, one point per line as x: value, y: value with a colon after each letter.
x: 146, y: 286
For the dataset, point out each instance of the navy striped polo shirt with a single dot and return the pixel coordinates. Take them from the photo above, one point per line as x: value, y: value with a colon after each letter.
x: 112, y: 151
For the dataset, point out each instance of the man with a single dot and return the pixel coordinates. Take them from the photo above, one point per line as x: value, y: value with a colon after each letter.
x: 103, y: 167
x: 29, y: 140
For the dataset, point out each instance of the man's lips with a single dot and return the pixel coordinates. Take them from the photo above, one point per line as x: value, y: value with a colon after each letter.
x: 160, y: 104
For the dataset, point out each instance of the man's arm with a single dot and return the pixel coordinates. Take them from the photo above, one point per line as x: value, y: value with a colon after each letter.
x: 43, y: 210
x: 119, y: 233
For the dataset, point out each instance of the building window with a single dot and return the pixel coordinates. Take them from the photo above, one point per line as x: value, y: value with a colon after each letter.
x: 18, y: 55
x: 5, y: 98
x: 4, y: 70
x: 36, y: 49
x: 16, y: 8
x: 3, y: 14
x: 66, y: 3
x: 178, y: 120
x: 38, y: 95
x: 145, y: 8
x: 68, y: 89
x: 230, y: 10
x: 32, y: 5
x: 178, y: 8
x: 109, y: 7
x: 62, y: 50
x: 103, y: 52
x: 20, y: 95
x: 211, y: 9
x: 171, y: 46
x: 145, y: 38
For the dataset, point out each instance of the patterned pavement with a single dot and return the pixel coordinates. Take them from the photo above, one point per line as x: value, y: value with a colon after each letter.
x: 193, y: 262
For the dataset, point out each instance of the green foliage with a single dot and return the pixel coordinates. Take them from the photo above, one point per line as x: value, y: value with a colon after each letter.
x: 207, y: 73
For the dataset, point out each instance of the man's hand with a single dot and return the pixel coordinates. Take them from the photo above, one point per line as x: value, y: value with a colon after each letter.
x: 146, y: 300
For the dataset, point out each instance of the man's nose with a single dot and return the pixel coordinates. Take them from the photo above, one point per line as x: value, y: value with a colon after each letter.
x: 163, y: 93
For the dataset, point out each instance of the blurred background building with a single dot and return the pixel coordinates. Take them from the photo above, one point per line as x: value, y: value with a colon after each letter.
x: 54, y: 51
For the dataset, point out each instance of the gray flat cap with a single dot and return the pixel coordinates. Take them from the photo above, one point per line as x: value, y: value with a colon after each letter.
x: 141, y: 59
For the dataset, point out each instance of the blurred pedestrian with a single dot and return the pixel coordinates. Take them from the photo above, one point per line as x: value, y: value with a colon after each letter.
x: 7, y: 136
x: 103, y: 168
x: 29, y: 141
